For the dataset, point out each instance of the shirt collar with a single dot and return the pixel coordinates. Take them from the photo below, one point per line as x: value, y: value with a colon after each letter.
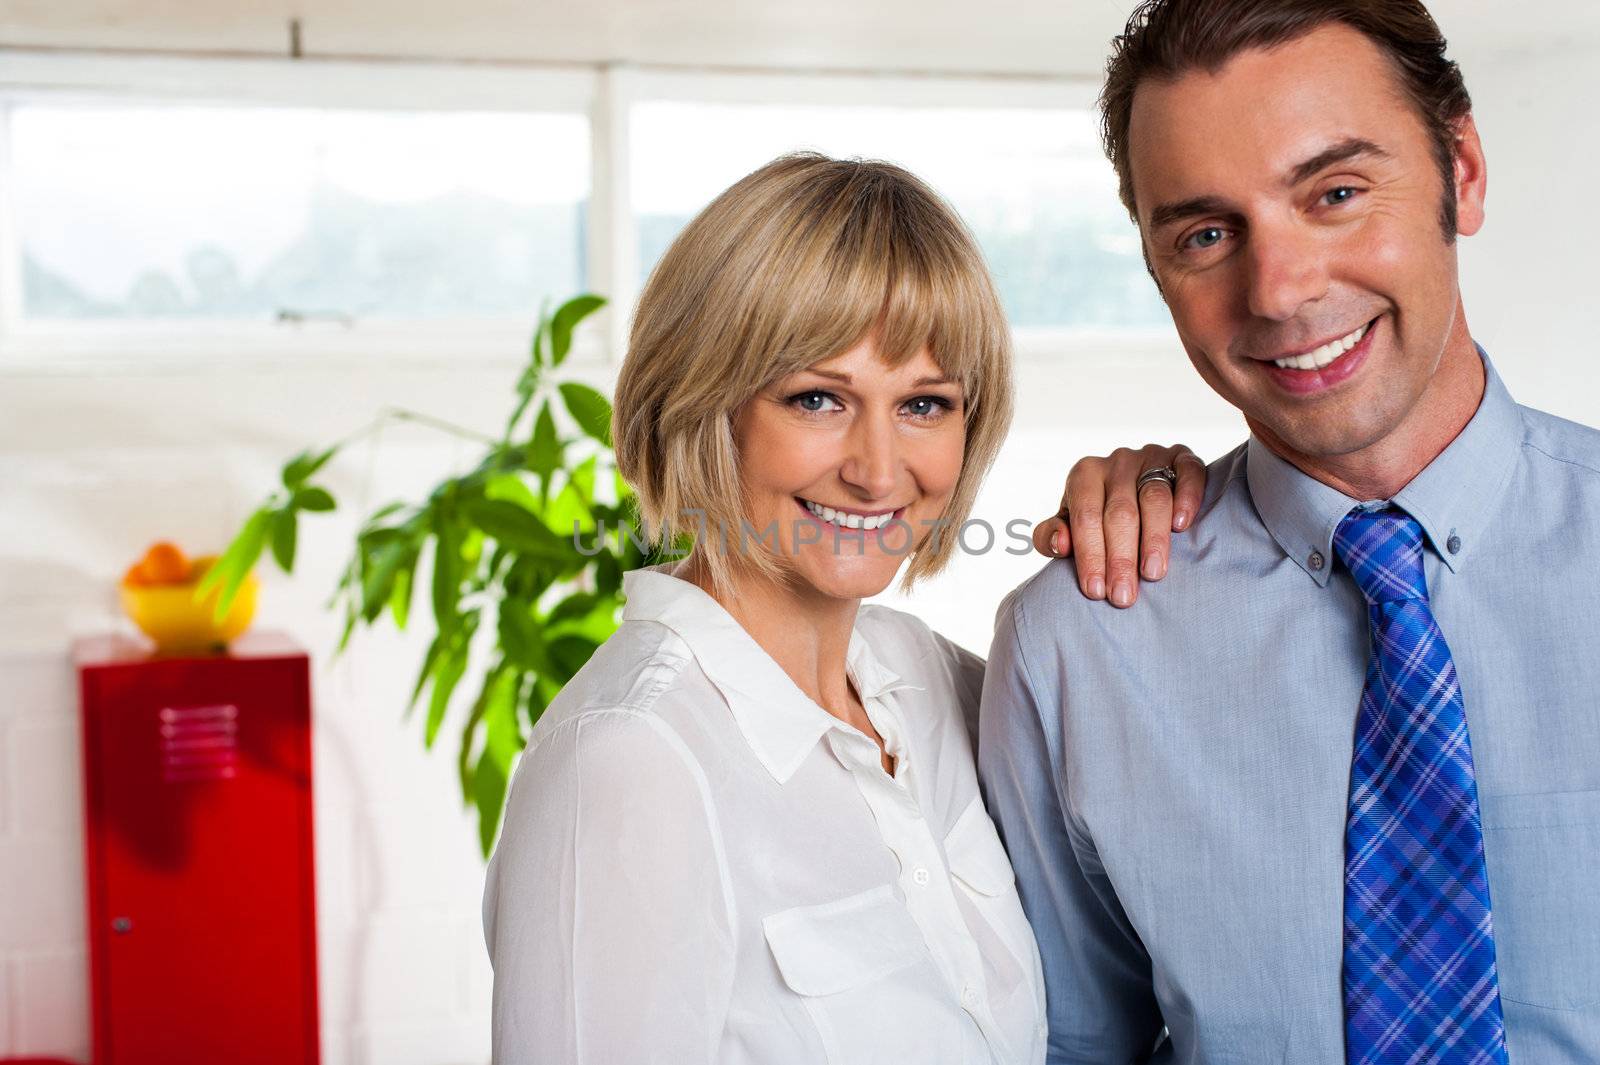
x: 1453, y: 498
x: 777, y: 719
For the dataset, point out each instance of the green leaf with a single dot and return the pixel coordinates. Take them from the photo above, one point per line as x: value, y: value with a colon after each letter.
x: 517, y: 528
x: 446, y: 568
x: 502, y: 742
x: 589, y: 409
x: 400, y: 598
x: 607, y: 574
x: 429, y: 660
x: 314, y: 498
x: 541, y: 337
x: 546, y: 452
x: 566, y: 319
x: 520, y: 637
x: 512, y: 488
x: 230, y: 570
x: 300, y: 468
x: 573, y: 606
x: 378, y: 574
x: 569, y: 653
x: 489, y: 796
x: 284, y: 524
x: 445, y: 679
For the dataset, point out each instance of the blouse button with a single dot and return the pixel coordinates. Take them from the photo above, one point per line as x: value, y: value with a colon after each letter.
x: 969, y: 997
x: 920, y: 875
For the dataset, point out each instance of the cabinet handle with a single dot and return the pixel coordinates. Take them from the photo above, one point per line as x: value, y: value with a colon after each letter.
x: 122, y: 925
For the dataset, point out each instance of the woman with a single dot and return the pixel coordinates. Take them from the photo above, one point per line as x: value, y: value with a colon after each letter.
x: 749, y: 830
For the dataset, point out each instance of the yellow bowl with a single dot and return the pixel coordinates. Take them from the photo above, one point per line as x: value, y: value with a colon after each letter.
x: 170, y: 615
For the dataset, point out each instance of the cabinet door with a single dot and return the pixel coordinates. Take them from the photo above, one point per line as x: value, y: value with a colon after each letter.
x: 204, y: 826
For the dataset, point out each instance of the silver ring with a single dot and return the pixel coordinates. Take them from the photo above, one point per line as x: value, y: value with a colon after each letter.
x: 1165, y: 474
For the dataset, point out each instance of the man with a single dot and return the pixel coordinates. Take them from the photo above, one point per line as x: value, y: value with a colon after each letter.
x: 1331, y: 793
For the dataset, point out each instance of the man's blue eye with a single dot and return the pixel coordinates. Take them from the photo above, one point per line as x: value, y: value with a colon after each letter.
x: 1207, y: 237
x: 1339, y: 195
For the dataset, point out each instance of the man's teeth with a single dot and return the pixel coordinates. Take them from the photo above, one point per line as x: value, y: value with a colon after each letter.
x: 1316, y: 360
x: 848, y: 521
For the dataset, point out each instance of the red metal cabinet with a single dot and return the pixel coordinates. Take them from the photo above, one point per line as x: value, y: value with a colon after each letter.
x: 197, y: 786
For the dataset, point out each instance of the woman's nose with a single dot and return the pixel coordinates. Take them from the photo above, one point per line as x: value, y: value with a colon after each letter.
x: 872, y: 465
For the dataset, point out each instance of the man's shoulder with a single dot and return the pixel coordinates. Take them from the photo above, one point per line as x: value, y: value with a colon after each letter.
x: 1560, y: 440
x: 1049, y: 602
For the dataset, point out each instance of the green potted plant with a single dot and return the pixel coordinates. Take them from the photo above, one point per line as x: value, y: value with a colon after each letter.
x: 516, y: 548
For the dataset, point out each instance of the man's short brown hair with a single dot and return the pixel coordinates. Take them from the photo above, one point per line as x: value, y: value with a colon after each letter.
x: 1169, y: 38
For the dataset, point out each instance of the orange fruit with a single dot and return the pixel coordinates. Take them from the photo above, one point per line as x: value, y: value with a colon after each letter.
x: 164, y: 563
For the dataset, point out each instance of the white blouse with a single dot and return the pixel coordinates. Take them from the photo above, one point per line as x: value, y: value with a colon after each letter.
x: 701, y: 865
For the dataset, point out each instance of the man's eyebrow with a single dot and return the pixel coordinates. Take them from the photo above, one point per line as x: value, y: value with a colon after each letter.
x: 1168, y: 213
x: 1345, y: 150
x: 1342, y: 152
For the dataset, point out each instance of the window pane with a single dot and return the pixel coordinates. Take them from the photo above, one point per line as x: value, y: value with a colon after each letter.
x: 1032, y: 184
x: 242, y: 212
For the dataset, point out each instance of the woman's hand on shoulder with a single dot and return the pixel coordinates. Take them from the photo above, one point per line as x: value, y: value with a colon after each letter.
x: 1117, y: 529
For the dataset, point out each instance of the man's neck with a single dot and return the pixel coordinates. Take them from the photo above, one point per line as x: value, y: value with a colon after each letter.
x: 1382, y: 469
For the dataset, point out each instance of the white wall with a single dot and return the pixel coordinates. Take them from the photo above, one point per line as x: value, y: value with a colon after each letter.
x: 93, y: 467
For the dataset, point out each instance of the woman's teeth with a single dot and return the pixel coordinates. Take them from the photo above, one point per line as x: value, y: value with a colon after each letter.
x: 848, y: 521
x: 1323, y: 356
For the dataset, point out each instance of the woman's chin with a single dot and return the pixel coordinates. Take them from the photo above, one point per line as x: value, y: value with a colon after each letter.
x: 845, y: 577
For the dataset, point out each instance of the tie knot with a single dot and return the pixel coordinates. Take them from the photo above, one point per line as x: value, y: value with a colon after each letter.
x: 1383, y: 550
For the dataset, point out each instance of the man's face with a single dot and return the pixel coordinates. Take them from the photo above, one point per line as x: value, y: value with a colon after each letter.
x: 1290, y: 208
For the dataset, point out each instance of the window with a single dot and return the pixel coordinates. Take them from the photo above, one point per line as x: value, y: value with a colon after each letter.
x: 1030, y: 182
x: 199, y: 211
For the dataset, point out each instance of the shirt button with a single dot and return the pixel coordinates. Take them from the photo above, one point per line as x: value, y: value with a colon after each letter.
x: 1316, y: 561
x: 1453, y: 545
x: 969, y: 997
x: 920, y: 875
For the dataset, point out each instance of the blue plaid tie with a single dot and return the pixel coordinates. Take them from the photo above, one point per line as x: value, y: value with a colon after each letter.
x: 1419, y: 968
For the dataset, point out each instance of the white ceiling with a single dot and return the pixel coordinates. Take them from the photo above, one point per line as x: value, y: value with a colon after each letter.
x: 1049, y: 37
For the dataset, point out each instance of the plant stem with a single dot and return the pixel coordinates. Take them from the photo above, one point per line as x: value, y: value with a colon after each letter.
x: 400, y: 414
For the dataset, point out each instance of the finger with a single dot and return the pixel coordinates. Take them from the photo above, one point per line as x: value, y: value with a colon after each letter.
x: 1155, y: 518
x: 1191, y: 487
x: 1052, y: 538
x: 1085, y: 507
x: 1121, y: 527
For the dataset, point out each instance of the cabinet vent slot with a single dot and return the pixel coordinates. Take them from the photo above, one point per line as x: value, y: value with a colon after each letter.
x: 199, y: 742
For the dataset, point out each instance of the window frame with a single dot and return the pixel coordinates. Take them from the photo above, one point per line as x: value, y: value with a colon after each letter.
x: 604, y: 93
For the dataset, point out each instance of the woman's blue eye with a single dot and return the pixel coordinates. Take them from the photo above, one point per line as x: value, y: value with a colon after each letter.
x: 926, y: 406
x: 813, y: 402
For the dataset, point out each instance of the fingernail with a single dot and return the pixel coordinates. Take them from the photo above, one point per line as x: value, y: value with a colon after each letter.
x: 1097, y: 587
x: 1122, y: 594
x: 1180, y: 521
x: 1057, y: 544
x: 1153, y: 568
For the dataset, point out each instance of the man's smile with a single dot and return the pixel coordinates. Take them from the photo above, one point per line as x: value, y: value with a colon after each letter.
x: 1324, y: 366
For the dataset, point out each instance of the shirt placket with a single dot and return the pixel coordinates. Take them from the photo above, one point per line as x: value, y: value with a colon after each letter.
x: 924, y: 877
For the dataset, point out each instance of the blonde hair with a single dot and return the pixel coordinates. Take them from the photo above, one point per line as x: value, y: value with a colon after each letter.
x: 798, y: 262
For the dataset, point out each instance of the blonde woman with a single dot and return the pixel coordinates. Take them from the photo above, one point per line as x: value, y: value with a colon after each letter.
x: 749, y: 830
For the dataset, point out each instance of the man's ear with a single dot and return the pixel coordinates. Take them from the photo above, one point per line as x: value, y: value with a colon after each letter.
x: 1471, y: 177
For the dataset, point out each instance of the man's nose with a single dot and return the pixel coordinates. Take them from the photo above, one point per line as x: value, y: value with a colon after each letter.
x: 1287, y: 270
x: 873, y: 462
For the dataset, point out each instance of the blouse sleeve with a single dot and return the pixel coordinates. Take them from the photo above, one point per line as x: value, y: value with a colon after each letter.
x: 607, y: 913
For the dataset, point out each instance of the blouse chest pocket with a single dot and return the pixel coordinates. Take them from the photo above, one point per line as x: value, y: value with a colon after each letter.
x: 867, y: 980
x: 1544, y: 861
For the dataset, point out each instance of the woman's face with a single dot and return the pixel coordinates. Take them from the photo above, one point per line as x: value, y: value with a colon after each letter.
x: 848, y: 465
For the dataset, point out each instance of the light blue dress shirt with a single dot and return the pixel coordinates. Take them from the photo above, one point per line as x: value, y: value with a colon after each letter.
x: 1171, y: 780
